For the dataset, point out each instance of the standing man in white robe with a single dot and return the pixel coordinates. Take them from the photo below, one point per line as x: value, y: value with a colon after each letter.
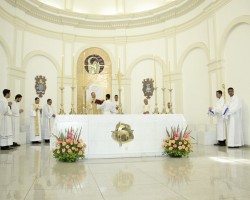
x: 16, y: 111
x: 233, y: 113
x: 116, y: 102
x: 217, y: 111
x: 146, y: 107
x: 35, y: 122
x: 6, y: 136
x: 48, y: 120
x: 107, y: 106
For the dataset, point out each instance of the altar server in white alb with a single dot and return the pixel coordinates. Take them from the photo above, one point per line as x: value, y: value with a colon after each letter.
x: 16, y: 111
x: 146, y: 107
x: 107, y: 106
x: 48, y: 120
x: 35, y: 122
x: 116, y: 102
x: 6, y: 136
x: 233, y: 114
x: 217, y: 111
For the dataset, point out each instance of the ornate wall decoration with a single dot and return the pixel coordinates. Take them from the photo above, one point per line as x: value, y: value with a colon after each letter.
x: 94, y: 74
x: 122, y: 133
x: 40, y: 85
x: 94, y: 64
x: 148, y: 87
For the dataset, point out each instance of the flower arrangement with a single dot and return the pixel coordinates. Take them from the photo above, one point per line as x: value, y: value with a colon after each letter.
x: 177, y: 143
x: 69, y: 146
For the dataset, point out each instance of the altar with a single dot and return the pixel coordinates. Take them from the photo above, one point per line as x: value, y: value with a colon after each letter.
x: 148, y: 133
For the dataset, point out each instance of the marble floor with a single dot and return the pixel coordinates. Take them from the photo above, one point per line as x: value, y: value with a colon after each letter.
x: 31, y: 173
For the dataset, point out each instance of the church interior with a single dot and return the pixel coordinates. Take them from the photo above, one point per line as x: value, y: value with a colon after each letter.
x: 174, y: 54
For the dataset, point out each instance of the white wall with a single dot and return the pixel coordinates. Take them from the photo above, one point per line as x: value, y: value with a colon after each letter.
x: 3, y: 69
x: 237, y: 64
x: 39, y: 65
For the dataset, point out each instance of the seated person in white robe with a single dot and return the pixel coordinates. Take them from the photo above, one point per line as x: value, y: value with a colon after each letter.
x: 6, y: 136
x: 16, y: 111
x: 233, y: 114
x: 217, y: 111
x: 48, y: 120
x: 35, y: 122
x: 107, y: 106
x: 146, y: 107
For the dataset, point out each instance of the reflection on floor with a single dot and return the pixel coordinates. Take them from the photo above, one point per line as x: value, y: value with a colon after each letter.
x: 212, y: 173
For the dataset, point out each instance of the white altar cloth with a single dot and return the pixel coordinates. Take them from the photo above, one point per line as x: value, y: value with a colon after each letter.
x: 149, y: 131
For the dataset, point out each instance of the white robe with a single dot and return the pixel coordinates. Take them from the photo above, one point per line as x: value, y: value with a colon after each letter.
x: 146, y: 108
x: 16, y: 121
x: 6, y: 137
x: 48, y: 121
x: 221, y: 125
x: 108, y: 107
x: 33, y: 115
x: 234, y: 116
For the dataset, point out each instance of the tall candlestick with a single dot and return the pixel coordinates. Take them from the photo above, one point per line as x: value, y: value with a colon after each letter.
x: 119, y: 76
x: 155, y: 90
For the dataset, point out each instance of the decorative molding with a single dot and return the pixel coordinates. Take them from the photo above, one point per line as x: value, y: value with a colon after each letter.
x: 51, y: 14
x: 25, y: 25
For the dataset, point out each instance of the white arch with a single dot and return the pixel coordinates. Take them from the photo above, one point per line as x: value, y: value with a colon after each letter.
x: 140, y: 59
x: 198, y: 45
x: 7, y: 51
x: 232, y: 25
x: 32, y: 54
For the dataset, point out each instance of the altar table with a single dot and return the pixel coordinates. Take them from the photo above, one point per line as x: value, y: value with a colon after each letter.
x: 149, y: 131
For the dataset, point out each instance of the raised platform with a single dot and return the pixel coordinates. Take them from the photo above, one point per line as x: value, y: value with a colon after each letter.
x: 149, y: 131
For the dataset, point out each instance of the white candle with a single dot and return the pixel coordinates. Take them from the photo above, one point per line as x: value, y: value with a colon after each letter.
x: 154, y: 73
x: 162, y: 75
x: 73, y: 71
x: 169, y: 76
x: 62, y: 75
x: 119, y: 75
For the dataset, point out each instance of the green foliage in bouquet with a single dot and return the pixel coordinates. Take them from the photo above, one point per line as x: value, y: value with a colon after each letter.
x: 177, y: 143
x: 69, y: 146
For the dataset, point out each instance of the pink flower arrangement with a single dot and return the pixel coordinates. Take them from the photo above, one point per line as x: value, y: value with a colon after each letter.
x: 177, y: 143
x: 69, y: 147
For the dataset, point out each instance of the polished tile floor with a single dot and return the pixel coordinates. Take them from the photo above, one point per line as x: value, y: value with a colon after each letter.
x: 31, y: 173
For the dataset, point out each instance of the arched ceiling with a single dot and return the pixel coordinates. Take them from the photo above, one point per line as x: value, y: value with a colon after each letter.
x: 106, y: 14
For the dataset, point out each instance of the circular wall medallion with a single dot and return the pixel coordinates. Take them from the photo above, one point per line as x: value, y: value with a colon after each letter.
x: 94, y: 64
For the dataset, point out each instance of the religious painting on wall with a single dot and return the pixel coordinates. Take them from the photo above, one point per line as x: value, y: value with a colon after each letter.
x: 40, y: 85
x: 94, y: 64
x: 148, y: 87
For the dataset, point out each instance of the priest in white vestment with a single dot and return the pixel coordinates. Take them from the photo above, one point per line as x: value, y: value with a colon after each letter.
x: 217, y: 111
x: 15, y: 108
x: 146, y: 107
x: 35, y: 122
x: 233, y: 114
x: 107, y: 106
x: 6, y: 136
x: 48, y: 120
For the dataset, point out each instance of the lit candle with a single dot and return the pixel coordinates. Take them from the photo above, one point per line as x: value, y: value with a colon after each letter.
x: 169, y: 76
x: 62, y: 81
x: 73, y: 71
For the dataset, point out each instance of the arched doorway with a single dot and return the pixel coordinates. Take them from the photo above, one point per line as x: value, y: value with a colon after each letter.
x: 94, y: 74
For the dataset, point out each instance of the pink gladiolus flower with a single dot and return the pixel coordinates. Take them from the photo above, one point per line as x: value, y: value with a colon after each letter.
x: 187, y: 135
